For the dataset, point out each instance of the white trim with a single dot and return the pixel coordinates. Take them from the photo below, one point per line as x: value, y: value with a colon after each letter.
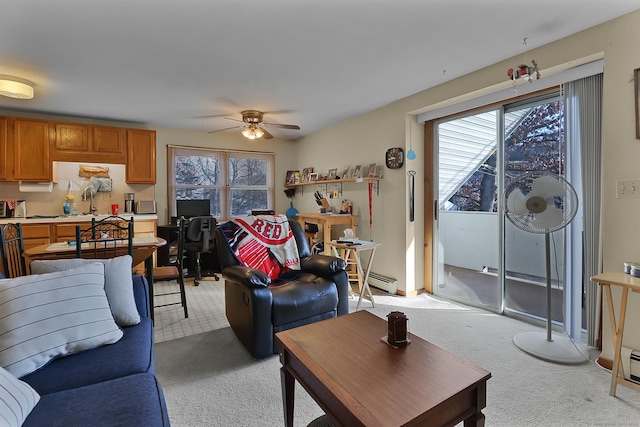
x: 555, y: 76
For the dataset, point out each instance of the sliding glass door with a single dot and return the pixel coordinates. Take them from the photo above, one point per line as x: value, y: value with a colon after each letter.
x: 480, y: 258
x: 467, y: 254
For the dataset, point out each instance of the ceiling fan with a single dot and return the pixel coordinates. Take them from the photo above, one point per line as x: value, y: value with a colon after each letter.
x: 253, y: 125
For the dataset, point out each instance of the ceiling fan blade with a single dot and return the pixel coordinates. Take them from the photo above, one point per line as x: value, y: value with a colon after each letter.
x: 277, y: 125
x: 235, y: 120
x: 220, y: 130
x: 266, y: 135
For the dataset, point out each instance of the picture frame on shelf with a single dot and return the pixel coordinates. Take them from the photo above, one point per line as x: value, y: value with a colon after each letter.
x: 379, y: 171
x: 305, y: 174
x: 333, y: 172
x: 345, y: 172
x: 372, y: 170
x: 313, y: 176
x: 636, y: 87
x: 291, y: 177
x: 356, y: 171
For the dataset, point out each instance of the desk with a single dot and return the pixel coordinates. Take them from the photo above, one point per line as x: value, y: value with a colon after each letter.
x: 362, y: 272
x: 358, y: 380
x: 143, y: 249
x: 626, y: 282
x: 326, y: 221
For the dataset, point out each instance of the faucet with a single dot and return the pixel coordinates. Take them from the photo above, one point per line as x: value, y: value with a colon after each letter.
x: 92, y: 209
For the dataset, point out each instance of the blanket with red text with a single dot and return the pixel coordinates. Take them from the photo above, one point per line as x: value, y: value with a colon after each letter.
x: 264, y: 242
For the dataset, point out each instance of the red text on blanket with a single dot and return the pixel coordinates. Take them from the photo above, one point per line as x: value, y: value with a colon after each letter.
x: 267, y: 229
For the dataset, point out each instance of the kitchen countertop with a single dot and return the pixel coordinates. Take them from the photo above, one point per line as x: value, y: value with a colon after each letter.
x: 76, y: 218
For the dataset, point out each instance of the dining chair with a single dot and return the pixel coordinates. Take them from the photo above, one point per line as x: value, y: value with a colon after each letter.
x: 174, y: 271
x: 11, y: 249
x: 107, y: 238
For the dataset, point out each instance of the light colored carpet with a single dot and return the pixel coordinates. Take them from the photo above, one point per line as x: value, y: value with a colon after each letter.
x: 210, y: 380
x: 204, y: 302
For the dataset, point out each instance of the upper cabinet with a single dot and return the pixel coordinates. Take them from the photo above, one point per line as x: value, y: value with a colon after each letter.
x: 109, y: 140
x: 141, y: 156
x: 31, y: 150
x: 104, y: 144
x: 4, y: 136
x: 29, y: 147
x: 71, y: 137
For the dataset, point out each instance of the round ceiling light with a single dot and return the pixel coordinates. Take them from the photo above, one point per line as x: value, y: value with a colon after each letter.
x: 15, y: 89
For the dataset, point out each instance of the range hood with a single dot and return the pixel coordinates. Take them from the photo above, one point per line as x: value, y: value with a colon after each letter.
x: 35, y: 187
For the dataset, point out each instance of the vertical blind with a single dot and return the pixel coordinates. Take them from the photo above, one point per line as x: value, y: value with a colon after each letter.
x: 583, y: 109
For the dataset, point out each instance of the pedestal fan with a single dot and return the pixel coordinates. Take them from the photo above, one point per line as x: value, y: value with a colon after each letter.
x: 541, y: 203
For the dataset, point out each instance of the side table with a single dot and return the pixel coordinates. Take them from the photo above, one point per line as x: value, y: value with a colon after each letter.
x: 626, y: 282
x: 354, y: 247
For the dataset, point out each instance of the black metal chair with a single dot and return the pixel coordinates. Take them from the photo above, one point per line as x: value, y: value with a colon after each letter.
x: 175, y: 271
x: 11, y: 249
x: 107, y: 238
x: 200, y: 239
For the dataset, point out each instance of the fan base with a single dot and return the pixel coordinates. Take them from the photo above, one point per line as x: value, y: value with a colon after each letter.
x: 559, y: 350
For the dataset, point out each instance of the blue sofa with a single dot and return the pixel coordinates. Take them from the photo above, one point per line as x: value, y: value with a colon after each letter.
x: 112, y: 385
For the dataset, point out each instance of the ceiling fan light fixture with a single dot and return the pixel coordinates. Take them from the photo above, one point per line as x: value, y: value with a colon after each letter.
x: 15, y: 89
x: 252, y: 132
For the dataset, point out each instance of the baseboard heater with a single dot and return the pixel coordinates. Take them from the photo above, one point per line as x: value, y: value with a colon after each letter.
x: 382, y: 282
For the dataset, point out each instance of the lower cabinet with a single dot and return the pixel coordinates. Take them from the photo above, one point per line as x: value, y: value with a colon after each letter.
x: 35, y: 235
x: 45, y: 233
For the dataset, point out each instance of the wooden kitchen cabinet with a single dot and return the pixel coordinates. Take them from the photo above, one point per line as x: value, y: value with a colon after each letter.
x: 31, y: 150
x: 4, y: 155
x: 71, y: 137
x: 64, y: 232
x: 141, y: 156
x: 77, y: 143
x: 35, y: 235
x: 109, y: 141
x: 145, y: 228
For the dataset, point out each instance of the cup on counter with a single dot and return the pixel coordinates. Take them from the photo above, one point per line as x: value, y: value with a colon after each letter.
x: 114, y: 209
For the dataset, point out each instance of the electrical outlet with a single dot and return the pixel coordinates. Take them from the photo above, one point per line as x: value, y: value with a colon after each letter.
x: 627, y: 189
x: 106, y: 196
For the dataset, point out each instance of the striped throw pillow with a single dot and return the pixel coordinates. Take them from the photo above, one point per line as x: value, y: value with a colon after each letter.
x: 17, y: 399
x: 44, y: 316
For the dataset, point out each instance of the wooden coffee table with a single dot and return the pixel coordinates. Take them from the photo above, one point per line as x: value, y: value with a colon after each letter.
x: 358, y: 380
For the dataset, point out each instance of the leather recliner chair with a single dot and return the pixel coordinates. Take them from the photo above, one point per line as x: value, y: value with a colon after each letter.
x: 258, y: 308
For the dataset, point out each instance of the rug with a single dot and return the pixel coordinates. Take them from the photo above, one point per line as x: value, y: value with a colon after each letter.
x: 209, y: 379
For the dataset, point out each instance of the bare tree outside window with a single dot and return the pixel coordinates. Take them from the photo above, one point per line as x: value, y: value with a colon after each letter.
x: 535, y: 144
x: 248, y: 185
x: 234, y: 182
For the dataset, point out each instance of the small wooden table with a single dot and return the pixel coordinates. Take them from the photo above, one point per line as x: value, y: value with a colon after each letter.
x: 326, y: 221
x: 143, y: 249
x: 362, y: 272
x: 626, y: 282
x: 359, y: 380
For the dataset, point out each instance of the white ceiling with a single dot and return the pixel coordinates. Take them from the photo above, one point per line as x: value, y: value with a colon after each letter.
x: 190, y: 63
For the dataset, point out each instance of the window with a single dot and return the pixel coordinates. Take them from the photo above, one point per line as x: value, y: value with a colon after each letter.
x: 235, y: 182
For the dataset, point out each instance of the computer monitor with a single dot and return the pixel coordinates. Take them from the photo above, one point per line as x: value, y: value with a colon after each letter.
x: 189, y: 208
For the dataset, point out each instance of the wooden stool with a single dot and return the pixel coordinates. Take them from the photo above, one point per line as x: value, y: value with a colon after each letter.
x: 353, y: 273
x: 311, y: 236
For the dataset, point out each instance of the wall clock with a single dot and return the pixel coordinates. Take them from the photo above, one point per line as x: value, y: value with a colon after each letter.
x: 394, y: 158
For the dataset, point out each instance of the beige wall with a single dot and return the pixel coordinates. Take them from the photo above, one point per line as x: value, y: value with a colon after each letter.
x: 284, y: 159
x: 365, y: 139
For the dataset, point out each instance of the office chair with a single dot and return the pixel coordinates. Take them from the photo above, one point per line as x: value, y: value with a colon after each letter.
x: 175, y: 271
x: 255, y: 212
x: 11, y: 249
x: 200, y: 235
x: 107, y: 238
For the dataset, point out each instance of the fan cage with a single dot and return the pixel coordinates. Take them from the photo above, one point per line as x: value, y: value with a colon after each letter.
x: 567, y: 203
